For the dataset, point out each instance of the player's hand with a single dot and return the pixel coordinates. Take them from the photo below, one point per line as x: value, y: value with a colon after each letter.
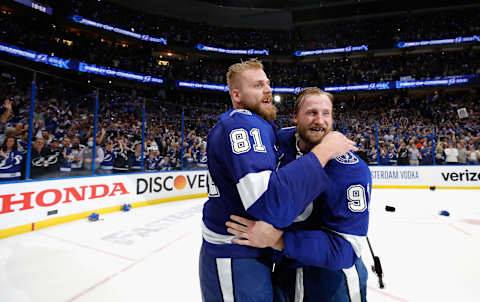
x: 7, y: 104
x: 258, y: 234
x: 333, y: 145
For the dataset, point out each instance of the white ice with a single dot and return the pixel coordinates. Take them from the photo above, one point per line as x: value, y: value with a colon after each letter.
x: 151, y: 253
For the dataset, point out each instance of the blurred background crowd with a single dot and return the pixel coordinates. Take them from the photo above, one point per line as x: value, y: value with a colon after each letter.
x: 85, y: 125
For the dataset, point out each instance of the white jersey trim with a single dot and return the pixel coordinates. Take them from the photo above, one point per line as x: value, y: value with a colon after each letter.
x: 299, y: 288
x: 215, y: 238
x: 242, y: 111
x: 224, y: 270
x: 353, y: 283
x: 305, y: 214
x: 252, y: 186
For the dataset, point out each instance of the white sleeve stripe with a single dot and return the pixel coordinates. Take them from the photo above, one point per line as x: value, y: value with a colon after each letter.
x: 252, y: 186
x: 305, y: 214
x: 224, y: 270
x: 357, y: 242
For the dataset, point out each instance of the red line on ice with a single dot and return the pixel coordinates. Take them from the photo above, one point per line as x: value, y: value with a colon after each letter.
x: 382, y: 292
x: 471, y: 221
x: 459, y: 229
x: 128, y: 267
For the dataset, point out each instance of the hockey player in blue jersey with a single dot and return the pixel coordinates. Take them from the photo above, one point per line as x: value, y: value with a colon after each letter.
x: 322, y: 248
x: 244, y: 180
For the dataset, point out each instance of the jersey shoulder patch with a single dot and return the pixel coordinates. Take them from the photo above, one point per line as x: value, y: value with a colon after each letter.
x: 243, y: 118
x: 347, y: 159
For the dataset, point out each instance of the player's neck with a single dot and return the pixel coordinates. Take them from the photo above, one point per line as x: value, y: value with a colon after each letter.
x: 302, y: 146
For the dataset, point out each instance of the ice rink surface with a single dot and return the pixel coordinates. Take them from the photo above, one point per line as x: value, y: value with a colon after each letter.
x: 151, y: 253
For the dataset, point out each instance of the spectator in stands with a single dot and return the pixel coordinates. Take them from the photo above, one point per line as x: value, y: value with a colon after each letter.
x: 23, y: 142
x: 66, y: 158
x: 439, y: 154
x: 150, y: 144
x: 87, y: 155
x: 121, y: 162
x: 47, y: 136
x: 39, y: 126
x: 384, y: 159
x: 54, y: 158
x: 462, y: 153
x: 403, y: 155
x: 39, y: 163
x: 164, y: 164
x: 151, y: 163
x: 451, y: 154
x: 136, y: 158
x: 77, y: 163
x: 10, y: 160
x: 7, y: 112
x: 426, y: 154
x: 106, y: 166
x: 392, y: 155
x: 187, y: 158
x: 372, y: 156
x: 414, y: 154
x: 473, y: 155
x: 202, y: 158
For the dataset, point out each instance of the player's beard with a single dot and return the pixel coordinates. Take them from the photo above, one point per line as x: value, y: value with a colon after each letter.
x: 312, y: 139
x: 268, y: 113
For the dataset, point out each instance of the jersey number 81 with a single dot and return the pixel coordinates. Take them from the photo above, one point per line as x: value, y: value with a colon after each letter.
x: 241, y: 142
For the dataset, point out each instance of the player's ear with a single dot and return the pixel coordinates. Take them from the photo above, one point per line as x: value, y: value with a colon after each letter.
x: 295, y: 119
x: 235, y: 94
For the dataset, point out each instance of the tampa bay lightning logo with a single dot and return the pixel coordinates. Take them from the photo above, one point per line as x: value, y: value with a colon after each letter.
x: 41, y: 57
x: 347, y: 159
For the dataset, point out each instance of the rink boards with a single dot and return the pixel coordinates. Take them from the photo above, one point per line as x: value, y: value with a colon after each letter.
x: 26, y: 206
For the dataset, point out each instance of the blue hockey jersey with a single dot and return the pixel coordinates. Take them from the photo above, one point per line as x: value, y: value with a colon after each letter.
x: 332, y: 231
x: 151, y: 163
x: 107, y: 163
x: 10, y: 167
x: 324, y: 245
x: 136, y: 161
x: 244, y: 180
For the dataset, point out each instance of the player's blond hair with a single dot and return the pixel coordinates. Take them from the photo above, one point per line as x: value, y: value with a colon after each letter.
x: 302, y: 95
x: 237, y: 68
